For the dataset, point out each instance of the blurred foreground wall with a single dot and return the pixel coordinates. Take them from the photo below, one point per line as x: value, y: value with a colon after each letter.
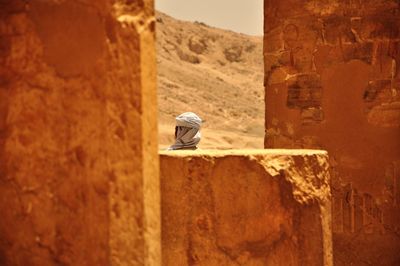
x: 333, y: 82
x: 78, y: 149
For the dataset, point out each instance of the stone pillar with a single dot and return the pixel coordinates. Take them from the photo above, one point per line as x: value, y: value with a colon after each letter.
x: 260, y: 207
x: 333, y: 82
x: 78, y: 150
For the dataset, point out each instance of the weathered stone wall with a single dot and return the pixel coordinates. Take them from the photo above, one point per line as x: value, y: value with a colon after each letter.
x: 333, y: 82
x: 260, y: 207
x: 78, y: 156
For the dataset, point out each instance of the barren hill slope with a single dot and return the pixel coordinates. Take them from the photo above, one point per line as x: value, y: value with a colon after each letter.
x: 215, y: 73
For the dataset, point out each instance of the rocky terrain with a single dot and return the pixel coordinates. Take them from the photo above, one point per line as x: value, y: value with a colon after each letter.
x: 215, y: 73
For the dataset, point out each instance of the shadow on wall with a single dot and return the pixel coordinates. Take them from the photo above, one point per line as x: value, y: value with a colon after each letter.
x: 333, y: 82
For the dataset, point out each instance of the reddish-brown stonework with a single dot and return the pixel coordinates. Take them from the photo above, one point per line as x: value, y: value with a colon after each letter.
x: 333, y: 82
x: 246, y: 207
x: 78, y: 160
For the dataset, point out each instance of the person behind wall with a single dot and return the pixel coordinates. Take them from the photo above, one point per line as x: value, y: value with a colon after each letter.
x: 187, y: 132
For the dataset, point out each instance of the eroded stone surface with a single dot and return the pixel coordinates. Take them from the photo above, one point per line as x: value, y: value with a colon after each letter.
x: 78, y: 174
x: 250, y: 207
x: 332, y: 82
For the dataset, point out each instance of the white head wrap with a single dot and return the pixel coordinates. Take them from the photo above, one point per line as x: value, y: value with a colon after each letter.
x: 188, y: 131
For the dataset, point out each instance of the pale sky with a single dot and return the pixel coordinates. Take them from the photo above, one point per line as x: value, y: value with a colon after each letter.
x: 245, y: 16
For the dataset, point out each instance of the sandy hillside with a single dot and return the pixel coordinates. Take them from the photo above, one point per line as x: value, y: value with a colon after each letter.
x: 215, y: 73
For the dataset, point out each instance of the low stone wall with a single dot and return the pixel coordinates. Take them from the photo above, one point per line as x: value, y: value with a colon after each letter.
x: 259, y: 207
